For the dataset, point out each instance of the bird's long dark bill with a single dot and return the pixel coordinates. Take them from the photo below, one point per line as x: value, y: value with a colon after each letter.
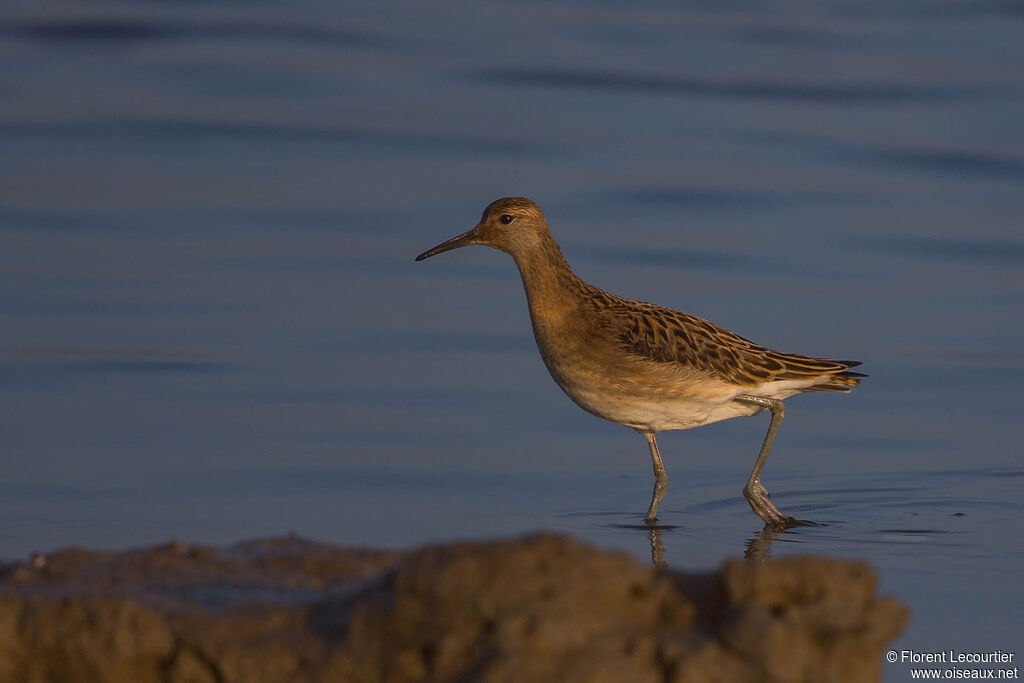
x: 465, y: 239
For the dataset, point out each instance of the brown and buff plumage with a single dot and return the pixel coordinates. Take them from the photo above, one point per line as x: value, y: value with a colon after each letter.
x: 641, y: 365
x: 664, y: 335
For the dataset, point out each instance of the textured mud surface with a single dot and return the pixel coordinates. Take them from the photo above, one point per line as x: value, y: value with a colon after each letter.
x: 543, y: 608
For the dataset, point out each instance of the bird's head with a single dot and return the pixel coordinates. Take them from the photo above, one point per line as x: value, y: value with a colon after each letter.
x: 512, y: 224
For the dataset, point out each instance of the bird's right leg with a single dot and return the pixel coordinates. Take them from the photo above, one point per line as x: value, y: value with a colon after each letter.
x: 755, y: 492
x: 660, y: 478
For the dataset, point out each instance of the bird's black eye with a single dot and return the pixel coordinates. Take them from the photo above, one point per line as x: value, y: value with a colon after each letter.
x: 506, y: 218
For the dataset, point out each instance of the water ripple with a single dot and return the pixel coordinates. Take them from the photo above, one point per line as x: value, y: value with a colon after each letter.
x: 954, y: 162
x: 983, y: 251
x: 110, y: 30
x: 665, y: 256
x: 264, y: 131
x: 824, y: 93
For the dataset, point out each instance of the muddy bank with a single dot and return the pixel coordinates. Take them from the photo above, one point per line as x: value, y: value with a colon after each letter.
x: 538, y: 609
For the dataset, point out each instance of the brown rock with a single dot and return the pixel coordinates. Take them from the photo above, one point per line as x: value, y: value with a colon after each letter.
x: 538, y: 609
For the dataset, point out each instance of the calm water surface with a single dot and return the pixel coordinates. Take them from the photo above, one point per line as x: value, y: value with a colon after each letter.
x: 211, y: 326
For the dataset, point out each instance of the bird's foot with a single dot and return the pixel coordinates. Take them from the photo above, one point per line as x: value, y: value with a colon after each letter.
x: 762, y: 505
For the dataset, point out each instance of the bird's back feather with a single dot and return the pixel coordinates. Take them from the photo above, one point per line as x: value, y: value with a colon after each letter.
x: 664, y: 335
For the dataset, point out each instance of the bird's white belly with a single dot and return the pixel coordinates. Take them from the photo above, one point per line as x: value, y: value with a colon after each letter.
x: 613, y: 387
x: 657, y: 415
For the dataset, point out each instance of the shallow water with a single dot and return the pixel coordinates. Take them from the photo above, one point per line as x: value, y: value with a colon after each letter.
x: 211, y: 326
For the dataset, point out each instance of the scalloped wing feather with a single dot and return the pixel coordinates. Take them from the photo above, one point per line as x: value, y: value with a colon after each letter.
x: 664, y: 335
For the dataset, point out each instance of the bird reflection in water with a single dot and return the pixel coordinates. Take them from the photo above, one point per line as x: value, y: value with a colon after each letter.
x: 657, y: 548
x: 757, y: 548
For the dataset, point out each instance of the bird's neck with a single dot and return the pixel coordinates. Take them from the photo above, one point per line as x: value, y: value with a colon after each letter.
x: 552, y: 289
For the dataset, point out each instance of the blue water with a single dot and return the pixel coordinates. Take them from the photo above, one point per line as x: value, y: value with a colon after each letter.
x: 211, y: 326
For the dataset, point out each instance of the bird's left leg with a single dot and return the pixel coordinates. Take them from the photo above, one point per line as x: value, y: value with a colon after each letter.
x: 755, y: 492
x: 660, y: 478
